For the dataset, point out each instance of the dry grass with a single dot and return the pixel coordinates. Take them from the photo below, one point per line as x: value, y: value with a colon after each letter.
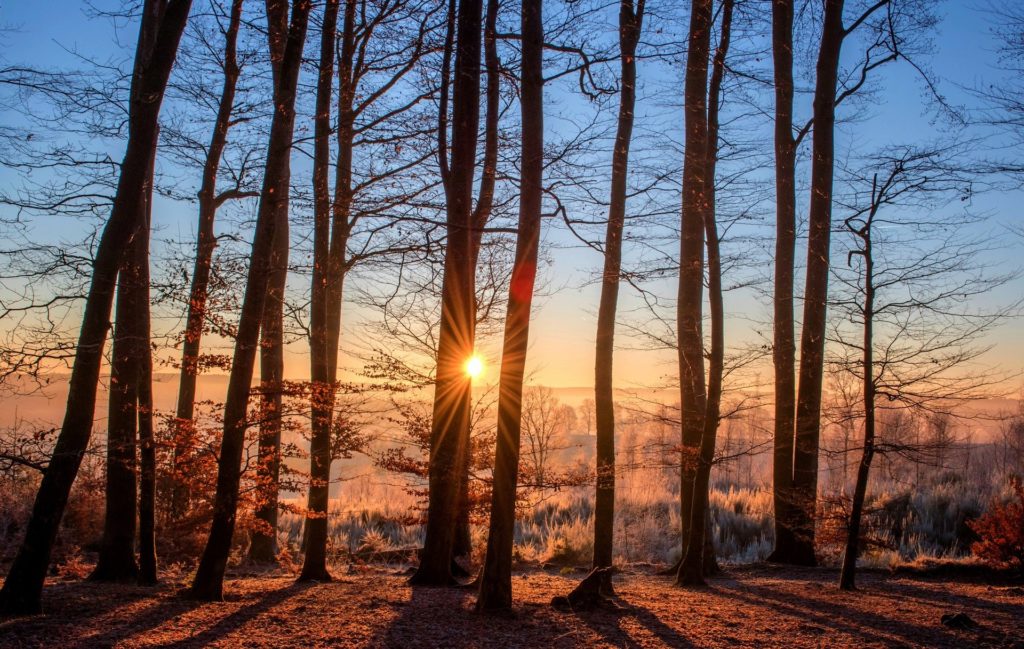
x: 758, y: 606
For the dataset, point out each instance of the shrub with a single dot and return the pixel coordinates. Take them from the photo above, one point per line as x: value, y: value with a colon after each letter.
x: 1001, y: 531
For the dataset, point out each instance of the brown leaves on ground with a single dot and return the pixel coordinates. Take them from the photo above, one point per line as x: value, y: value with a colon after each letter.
x: 763, y: 607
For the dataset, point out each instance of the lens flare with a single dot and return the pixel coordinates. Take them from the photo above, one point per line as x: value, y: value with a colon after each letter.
x: 474, y: 366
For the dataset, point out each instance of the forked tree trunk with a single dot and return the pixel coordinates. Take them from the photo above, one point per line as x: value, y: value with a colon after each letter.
x: 496, y: 578
x: 205, y: 245
x: 812, y: 337
x: 784, y: 347
x: 452, y: 389
x: 481, y: 214
x: 691, y: 273
x: 159, y: 34
x: 630, y: 25
x: 209, y: 580
x: 314, y: 566
x: 699, y: 559
x: 116, y: 560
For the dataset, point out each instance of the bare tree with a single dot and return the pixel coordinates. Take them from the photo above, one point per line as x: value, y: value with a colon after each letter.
x: 209, y: 579
x: 907, y: 295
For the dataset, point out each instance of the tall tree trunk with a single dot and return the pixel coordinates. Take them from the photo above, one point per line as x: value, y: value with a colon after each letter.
x: 263, y: 545
x: 699, y: 557
x: 162, y: 24
x: 116, y: 560
x: 812, y: 337
x: 630, y: 25
x: 481, y: 214
x: 452, y: 389
x: 147, y: 439
x: 205, y: 245
x: 314, y: 566
x: 209, y: 579
x: 784, y: 347
x: 691, y: 269
x: 496, y: 579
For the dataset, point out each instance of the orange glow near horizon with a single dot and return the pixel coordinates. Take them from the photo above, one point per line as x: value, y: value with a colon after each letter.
x: 474, y: 366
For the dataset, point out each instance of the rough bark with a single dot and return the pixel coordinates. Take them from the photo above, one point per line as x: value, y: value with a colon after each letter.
x: 812, y: 337
x: 206, y: 243
x: 784, y: 346
x: 452, y: 388
x: 314, y: 567
x: 699, y: 555
x: 496, y: 578
x: 159, y: 34
x: 691, y: 270
x: 209, y: 579
x: 630, y: 25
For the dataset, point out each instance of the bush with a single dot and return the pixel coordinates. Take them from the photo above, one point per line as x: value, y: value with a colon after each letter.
x: 1001, y: 531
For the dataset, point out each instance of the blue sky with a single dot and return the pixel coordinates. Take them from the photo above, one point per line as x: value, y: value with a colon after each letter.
x: 965, y: 55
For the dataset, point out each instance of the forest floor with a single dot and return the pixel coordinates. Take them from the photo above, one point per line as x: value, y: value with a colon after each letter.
x: 758, y: 606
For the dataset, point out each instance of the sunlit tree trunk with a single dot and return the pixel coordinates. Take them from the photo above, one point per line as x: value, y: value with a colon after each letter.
x: 630, y: 25
x: 147, y: 440
x: 812, y: 337
x: 209, y: 579
x: 322, y: 392
x: 691, y: 270
x: 162, y: 24
x: 496, y: 579
x: 452, y: 388
x: 699, y: 558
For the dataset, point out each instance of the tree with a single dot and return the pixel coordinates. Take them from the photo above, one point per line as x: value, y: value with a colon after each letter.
x: 496, y: 578
x: 321, y: 394
x: 130, y: 370
x: 450, y: 422
x: 783, y: 341
x: 206, y: 243
x: 159, y: 33
x: 209, y: 579
x: 698, y: 551
x: 913, y: 273
x: 693, y: 397
x: 892, y: 30
x: 630, y: 25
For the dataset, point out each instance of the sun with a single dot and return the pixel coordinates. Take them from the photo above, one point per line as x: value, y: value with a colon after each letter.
x: 474, y: 366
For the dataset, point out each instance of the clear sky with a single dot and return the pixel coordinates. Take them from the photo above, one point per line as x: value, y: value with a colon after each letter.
x: 964, y: 56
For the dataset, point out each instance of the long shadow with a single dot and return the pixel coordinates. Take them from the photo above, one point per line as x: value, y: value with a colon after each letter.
x: 444, y: 617
x: 240, y: 617
x: 600, y: 621
x: 72, y: 618
x: 908, y: 590
x: 838, y: 617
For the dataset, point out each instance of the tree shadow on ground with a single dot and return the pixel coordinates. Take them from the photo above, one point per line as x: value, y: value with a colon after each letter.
x: 241, y: 616
x: 865, y: 625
